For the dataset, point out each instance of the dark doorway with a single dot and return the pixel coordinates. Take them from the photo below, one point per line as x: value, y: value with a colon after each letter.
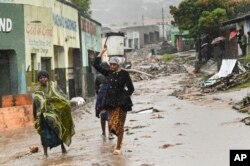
x: 8, y: 73
x: 46, y: 64
x: 72, y: 90
x: 77, y: 60
x: 146, y: 39
x: 90, y: 75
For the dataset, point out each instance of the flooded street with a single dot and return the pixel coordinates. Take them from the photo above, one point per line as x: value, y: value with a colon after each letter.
x: 177, y: 132
x: 184, y: 66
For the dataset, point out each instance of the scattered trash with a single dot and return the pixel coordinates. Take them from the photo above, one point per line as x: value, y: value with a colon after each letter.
x: 231, y: 73
x: 243, y: 105
x: 77, y: 102
x: 138, y: 127
x: 147, y: 165
x: 146, y: 66
x: 246, y: 120
x: 129, y: 133
x: 158, y: 116
x: 165, y: 146
x: 178, y: 124
x: 34, y: 149
x: 147, y: 110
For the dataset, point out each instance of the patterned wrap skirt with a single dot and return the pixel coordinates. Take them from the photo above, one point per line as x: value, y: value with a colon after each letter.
x: 116, y: 120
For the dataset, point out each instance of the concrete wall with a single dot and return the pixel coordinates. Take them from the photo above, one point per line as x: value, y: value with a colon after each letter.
x: 246, y: 25
x: 38, y: 42
x: 44, y: 3
x: 47, y: 23
x: 66, y: 28
x: 91, y: 44
x: 65, y: 38
x: 12, y: 39
x: 133, y: 36
x: 47, y: 37
x: 91, y: 38
x: 16, y: 117
x: 143, y: 31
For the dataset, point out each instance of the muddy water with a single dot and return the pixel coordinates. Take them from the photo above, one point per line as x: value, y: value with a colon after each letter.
x: 184, y: 132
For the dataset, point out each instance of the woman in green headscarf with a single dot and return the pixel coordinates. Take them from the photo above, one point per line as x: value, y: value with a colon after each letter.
x: 52, y: 114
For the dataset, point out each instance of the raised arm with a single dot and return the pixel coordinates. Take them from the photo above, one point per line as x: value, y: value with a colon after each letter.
x: 97, y: 64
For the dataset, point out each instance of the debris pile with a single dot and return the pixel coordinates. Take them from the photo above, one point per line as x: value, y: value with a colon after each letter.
x: 226, y: 82
x: 147, y: 66
x: 243, y: 105
x: 165, y: 47
x: 231, y: 74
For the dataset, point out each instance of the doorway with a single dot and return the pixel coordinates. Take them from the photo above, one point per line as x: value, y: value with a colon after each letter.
x: 8, y: 73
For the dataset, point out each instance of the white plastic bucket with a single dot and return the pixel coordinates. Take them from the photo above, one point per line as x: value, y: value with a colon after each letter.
x: 115, y: 44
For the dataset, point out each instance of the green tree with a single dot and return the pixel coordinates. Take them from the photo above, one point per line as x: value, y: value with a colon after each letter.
x: 240, y: 7
x: 84, y: 5
x: 209, y: 22
x: 202, y: 16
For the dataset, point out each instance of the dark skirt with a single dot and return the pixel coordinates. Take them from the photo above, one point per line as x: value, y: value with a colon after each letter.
x: 116, y: 120
x: 48, y: 135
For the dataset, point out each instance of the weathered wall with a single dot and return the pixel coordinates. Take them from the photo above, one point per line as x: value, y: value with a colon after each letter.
x: 91, y: 42
x: 12, y: 37
x: 91, y: 38
x: 38, y: 42
x: 16, y: 117
x: 66, y: 35
x: 143, y: 30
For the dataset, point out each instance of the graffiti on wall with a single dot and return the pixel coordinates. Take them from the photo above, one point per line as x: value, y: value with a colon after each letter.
x: 88, y: 26
x: 63, y: 22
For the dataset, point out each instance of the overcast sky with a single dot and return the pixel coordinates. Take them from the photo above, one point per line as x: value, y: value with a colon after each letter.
x: 109, y: 12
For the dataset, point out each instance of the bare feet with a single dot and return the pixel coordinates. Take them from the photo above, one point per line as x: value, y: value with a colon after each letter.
x: 116, y: 152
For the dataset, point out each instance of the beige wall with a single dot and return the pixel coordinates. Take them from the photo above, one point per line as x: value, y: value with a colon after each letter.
x: 48, y: 23
x: 66, y: 29
x: 42, y: 3
x: 38, y: 34
x: 70, y: 58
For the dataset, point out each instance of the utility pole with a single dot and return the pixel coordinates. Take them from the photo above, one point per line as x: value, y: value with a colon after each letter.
x: 163, y: 24
x: 143, y: 20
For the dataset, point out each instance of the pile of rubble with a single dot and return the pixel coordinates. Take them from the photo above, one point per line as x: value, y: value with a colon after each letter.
x: 148, y: 66
x: 243, y: 105
x: 231, y: 74
x: 225, y: 83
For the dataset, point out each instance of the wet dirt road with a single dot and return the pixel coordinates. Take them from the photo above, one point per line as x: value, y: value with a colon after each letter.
x: 193, y: 132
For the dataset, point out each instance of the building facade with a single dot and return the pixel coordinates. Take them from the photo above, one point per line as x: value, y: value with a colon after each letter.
x: 240, y: 23
x: 91, y: 44
x: 138, y: 36
x: 44, y: 35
